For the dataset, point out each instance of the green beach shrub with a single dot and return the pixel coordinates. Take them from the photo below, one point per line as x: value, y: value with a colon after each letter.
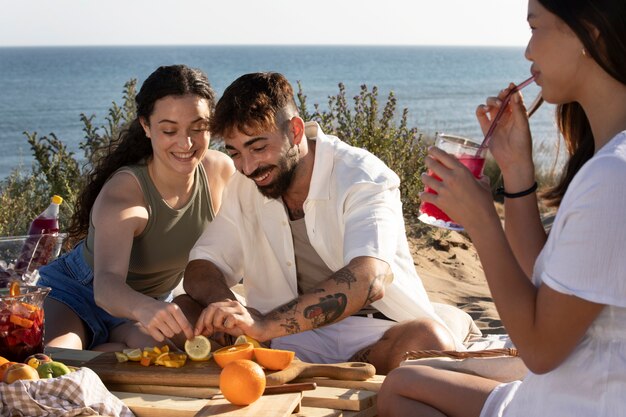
x: 402, y: 148
x: 56, y: 170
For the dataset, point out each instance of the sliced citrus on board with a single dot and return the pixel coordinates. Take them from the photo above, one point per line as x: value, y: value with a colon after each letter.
x: 228, y: 354
x: 198, y: 348
x: 273, y: 359
x: 247, y: 339
x: 242, y: 382
x: 133, y: 354
x: 121, y: 357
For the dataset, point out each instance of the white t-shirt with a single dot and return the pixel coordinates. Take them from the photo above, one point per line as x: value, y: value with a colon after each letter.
x: 585, y: 256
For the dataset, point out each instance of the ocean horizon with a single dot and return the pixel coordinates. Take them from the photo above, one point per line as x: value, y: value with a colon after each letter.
x: 45, y: 89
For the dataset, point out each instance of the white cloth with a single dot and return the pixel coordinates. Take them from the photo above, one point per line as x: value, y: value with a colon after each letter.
x: 353, y: 209
x: 78, y: 393
x: 584, y: 256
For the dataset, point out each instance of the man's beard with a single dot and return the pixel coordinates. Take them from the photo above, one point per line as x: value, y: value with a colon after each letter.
x: 285, y: 171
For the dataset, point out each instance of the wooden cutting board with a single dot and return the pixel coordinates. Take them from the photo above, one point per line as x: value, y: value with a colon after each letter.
x: 206, y: 374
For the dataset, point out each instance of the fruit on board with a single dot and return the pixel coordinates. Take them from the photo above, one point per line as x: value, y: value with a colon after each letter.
x: 52, y: 370
x: 273, y: 359
x: 133, y: 354
x: 242, y: 381
x: 37, y: 359
x: 20, y: 371
x: 247, y: 339
x: 198, y: 348
x: 228, y: 354
x: 3, y: 360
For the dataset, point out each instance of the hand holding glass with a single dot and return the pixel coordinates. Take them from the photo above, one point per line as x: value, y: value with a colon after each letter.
x: 470, y: 154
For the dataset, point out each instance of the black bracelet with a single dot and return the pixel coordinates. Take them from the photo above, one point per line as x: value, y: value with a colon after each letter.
x: 532, y: 189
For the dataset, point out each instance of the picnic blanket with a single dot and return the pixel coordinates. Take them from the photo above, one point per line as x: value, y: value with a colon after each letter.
x: 78, y: 393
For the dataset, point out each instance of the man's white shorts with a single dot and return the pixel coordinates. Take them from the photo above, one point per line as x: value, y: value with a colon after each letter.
x: 336, y: 342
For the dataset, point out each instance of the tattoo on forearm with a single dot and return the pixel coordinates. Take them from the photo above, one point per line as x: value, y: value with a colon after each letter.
x: 291, y: 325
x: 329, y: 309
x: 344, y: 276
x: 376, y: 286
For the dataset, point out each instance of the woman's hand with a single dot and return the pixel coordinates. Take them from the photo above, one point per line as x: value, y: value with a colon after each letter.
x: 163, y: 320
x: 461, y: 196
x: 511, y: 144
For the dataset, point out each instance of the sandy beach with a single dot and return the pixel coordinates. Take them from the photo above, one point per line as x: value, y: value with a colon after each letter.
x: 452, y: 274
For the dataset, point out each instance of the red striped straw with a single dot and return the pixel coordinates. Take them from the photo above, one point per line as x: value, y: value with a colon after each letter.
x: 505, y: 102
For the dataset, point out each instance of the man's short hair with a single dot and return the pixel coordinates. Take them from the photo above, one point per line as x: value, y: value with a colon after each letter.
x: 254, y: 103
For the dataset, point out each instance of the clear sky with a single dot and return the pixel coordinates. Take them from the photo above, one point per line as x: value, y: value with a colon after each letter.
x: 227, y: 22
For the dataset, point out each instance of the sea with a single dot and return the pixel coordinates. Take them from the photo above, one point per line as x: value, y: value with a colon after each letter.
x: 45, y: 89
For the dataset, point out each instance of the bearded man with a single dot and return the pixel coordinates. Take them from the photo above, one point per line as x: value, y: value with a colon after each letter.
x: 314, y: 229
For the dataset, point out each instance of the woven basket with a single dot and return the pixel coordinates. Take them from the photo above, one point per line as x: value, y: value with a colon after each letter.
x: 487, y: 353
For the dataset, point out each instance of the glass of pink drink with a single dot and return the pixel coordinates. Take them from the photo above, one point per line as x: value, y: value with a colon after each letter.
x: 470, y: 154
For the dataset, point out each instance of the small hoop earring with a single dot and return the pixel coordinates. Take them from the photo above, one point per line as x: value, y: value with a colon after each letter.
x: 584, y: 52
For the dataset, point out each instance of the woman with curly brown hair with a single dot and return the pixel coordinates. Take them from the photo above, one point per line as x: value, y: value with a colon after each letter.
x: 145, y: 204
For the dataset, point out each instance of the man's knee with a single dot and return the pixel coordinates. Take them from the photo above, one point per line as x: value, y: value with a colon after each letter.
x: 422, y: 334
x: 419, y: 334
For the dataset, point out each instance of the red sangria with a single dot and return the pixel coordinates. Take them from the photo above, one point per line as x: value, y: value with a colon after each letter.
x: 471, y: 155
x: 21, y: 321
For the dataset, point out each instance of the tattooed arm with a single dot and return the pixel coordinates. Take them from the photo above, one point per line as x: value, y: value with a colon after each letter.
x: 353, y: 287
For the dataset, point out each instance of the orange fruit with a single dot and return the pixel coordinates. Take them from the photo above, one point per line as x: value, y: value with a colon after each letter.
x: 3, y: 360
x: 242, y: 382
x: 273, y: 359
x: 228, y: 354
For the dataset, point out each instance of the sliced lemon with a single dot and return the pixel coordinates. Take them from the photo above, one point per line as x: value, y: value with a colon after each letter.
x: 121, y: 357
x: 247, y: 339
x: 133, y: 354
x: 198, y: 348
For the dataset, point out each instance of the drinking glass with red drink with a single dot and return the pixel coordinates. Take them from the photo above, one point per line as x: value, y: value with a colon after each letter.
x: 21, y: 321
x: 471, y: 154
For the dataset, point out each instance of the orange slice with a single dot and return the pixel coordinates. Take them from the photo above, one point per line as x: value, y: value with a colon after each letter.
x: 14, y: 289
x: 228, y: 354
x: 273, y: 359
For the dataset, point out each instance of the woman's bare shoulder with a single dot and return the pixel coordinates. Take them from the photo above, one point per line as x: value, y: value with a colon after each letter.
x: 218, y: 163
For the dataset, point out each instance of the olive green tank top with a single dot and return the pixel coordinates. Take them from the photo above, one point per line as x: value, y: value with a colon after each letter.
x: 160, y: 253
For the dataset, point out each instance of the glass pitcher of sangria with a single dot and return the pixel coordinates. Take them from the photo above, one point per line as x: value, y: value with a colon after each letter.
x: 21, y: 320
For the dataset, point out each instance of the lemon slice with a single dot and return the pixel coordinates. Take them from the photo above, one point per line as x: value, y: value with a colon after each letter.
x: 121, y: 357
x: 133, y: 354
x: 198, y: 348
x: 247, y: 339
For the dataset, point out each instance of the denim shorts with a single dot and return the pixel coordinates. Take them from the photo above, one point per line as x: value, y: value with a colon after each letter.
x: 71, y: 280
